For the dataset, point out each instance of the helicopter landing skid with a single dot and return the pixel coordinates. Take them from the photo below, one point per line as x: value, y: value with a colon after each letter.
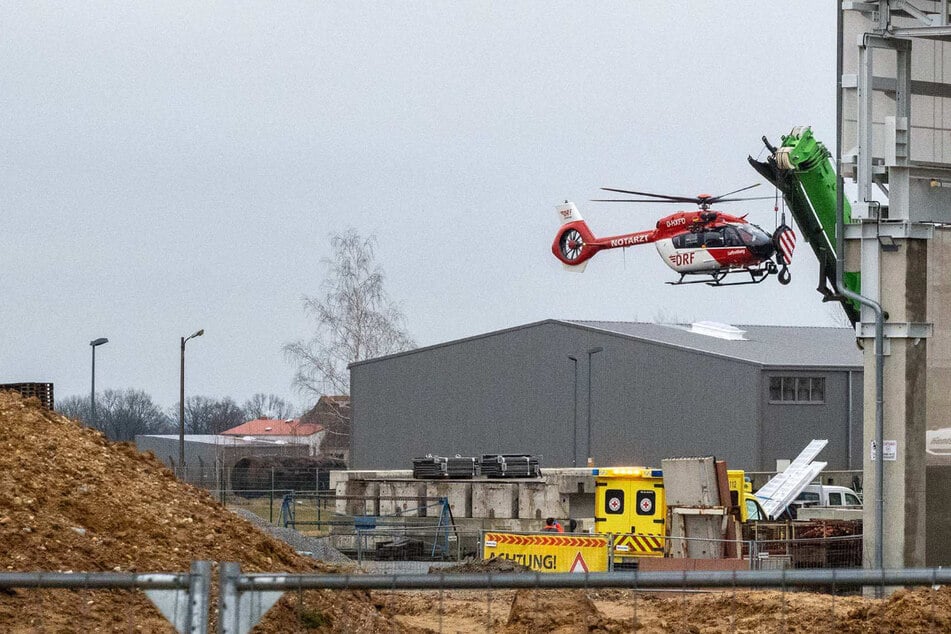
x: 756, y: 276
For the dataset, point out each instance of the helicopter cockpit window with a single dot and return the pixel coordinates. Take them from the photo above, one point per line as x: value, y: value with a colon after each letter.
x: 712, y: 239
x: 687, y: 241
x: 753, y: 236
x: 731, y: 238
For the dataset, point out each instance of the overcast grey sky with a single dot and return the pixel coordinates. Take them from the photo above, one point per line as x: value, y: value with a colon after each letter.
x: 171, y: 166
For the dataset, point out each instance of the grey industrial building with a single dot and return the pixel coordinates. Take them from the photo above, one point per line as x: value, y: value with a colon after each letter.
x: 621, y: 393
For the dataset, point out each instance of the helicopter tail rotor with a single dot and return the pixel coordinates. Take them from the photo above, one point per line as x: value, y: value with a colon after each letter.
x: 574, y: 243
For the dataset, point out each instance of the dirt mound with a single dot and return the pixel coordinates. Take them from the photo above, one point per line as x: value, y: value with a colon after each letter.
x: 72, y: 501
x: 496, y: 564
x: 561, y: 611
x: 917, y: 610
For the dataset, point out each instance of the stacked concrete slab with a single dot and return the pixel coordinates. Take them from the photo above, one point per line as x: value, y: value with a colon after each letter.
x: 498, y: 504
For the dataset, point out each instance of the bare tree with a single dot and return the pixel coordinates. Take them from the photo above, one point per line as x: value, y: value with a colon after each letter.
x: 267, y: 406
x: 120, y: 414
x: 124, y: 414
x: 76, y: 408
x: 204, y: 415
x: 355, y: 319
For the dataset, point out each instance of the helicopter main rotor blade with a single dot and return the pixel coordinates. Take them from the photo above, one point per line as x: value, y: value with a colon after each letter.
x: 641, y: 200
x: 742, y: 189
x: 730, y: 200
x: 673, y: 199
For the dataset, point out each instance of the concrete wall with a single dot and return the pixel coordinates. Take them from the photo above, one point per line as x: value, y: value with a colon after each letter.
x: 516, y: 504
x: 938, y: 527
x: 517, y: 391
x: 939, y: 346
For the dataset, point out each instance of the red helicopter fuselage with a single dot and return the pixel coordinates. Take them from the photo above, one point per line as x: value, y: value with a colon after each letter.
x: 704, y: 241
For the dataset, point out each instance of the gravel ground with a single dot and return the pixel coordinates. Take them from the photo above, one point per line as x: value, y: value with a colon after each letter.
x: 316, y: 547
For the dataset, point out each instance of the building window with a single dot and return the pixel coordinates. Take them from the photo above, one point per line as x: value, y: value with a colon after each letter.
x: 797, y: 389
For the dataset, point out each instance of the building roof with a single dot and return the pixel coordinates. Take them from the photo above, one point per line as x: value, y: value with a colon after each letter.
x: 782, y: 346
x: 217, y: 440
x: 772, y: 346
x: 273, y: 427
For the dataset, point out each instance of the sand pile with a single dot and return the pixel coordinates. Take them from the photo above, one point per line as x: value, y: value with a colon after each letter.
x: 72, y: 501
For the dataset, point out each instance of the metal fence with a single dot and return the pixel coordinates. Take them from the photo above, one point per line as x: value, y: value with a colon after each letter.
x: 262, y: 481
x: 182, y: 598
x: 728, y: 601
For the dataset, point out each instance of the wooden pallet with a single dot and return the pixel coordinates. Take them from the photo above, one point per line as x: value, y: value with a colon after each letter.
x: 42, y: 391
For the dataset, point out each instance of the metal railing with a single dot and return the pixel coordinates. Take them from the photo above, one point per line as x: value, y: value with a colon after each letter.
x: 243, y: 599
x: 182, y: 598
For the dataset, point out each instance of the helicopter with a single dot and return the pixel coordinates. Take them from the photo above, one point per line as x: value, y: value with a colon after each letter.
x: 704, y: 242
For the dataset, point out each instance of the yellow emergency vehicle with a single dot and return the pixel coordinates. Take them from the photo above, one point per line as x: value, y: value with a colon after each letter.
x: 629, y: 503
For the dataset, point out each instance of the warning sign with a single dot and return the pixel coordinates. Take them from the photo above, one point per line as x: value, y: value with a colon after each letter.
x: 579, y: 564
x: 561, y: 552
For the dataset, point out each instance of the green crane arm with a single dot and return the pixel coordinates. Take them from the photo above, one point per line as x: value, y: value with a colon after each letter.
x: 800, y: 168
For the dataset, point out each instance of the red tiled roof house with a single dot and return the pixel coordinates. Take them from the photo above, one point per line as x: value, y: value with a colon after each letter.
x: 290, y: 431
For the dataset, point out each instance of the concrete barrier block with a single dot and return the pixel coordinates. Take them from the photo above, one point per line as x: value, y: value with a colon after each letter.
x: 538, y: 500
x: 403, y: 498
x: 459, y: 494
x: 495, y: 500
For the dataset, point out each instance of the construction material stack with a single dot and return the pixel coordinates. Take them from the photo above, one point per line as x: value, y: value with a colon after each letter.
x: 436, y: 467
x: 510, y: 466
x: 462, y: 467
x: 430, y: 467
x: 41, y: 391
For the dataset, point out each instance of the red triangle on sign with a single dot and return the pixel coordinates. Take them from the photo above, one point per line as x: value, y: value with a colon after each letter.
x: 579, y: 564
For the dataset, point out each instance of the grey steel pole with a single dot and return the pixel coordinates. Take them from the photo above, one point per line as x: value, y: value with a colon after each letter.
x: 874, y: 306
x: 591, y: 352
x: 92, y: 392
x: 574, y: 432
x: 92, y: 389
x: 181, y: 415
x: 181, y: 406
x: 782, y: 578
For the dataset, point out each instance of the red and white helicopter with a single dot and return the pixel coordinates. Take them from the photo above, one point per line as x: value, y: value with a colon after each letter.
x: 701, y: 242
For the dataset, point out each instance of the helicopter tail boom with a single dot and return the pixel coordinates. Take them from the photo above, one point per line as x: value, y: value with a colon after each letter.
x: 574, y: 244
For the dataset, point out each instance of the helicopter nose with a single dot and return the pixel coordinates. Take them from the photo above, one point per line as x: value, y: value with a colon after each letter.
x: 763, y: 250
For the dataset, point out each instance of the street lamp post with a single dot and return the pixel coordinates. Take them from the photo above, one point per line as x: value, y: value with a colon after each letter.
x: 574, y: 433
x: 92, y: 393
x: 591, y: 352
x: 181, y: 406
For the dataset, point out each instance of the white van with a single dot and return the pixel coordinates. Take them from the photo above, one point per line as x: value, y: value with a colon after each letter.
x: 827, y: 495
